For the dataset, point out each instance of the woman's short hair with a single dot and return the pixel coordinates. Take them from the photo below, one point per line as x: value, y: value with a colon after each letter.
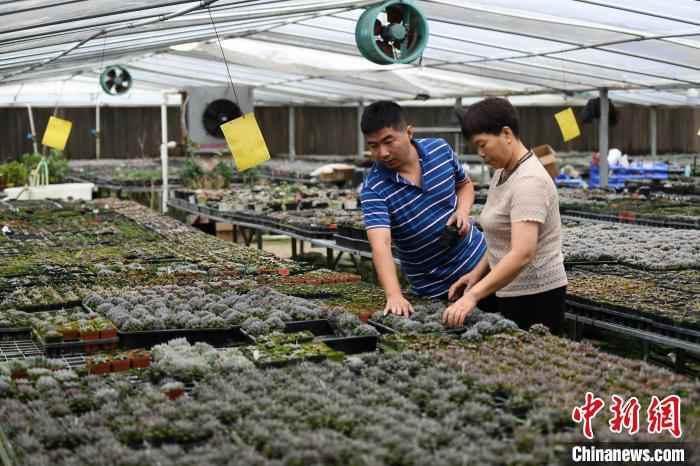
x: 489, y: 116
x: 382, y: 114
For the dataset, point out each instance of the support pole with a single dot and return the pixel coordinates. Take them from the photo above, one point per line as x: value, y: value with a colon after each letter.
x: 164, y: 152
x: 653, y: 134
x: 458, y: 134
x: 603, y: 137
x: 35, y: 145
x: 360, y: 136
x: 292, y: 135
x: 98, y: 134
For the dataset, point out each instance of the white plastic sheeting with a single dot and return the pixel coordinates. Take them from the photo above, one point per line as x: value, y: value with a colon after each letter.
x: 303, y: 51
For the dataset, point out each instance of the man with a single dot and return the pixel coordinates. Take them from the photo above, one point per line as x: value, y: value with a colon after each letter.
x: 414, y: 190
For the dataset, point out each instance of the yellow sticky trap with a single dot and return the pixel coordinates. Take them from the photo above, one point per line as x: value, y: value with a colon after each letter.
x: 699, y: 132
x: 245, y: 141
x: 568, y: 124
x: 57, y: 132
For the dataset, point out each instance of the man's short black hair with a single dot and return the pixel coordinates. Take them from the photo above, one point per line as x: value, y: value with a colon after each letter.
x: 489, y: 116
x: 382, y: 114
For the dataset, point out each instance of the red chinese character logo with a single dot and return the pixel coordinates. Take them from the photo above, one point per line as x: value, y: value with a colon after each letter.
x: 587, y: 412
x: 665, y: 415
x: 624, y: 415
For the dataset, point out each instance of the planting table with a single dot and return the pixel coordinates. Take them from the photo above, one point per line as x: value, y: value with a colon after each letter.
x: 334, y: 251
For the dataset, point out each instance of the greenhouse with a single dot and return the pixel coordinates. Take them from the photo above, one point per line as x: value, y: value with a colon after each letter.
x: 310, y: 232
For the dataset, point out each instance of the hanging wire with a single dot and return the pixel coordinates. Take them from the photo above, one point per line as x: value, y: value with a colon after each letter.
x: 102, y: 55
x: 218, y: 40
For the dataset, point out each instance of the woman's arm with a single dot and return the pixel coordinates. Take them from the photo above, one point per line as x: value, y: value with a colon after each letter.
x: 469, y: 279
x: 523, y: 249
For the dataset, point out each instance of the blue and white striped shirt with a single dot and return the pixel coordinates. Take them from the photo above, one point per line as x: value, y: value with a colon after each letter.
x: 417, y: 217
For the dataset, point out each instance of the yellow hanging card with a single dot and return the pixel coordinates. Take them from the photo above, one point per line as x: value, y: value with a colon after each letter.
x: 699, y: 132
x: 57, y: 132
x: 245, y: 141
x: 567, y: 124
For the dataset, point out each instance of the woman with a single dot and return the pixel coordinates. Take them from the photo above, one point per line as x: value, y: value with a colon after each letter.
x: 523, y: 265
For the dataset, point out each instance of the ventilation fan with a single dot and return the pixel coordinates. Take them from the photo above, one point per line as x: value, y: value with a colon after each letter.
x: 592, y: 112
x: 217, y: 113
x: 393, y: 32
x: 115, y: 80
x: 207, y: 108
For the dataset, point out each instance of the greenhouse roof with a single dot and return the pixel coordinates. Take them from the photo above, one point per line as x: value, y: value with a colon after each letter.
x: 304, y: 52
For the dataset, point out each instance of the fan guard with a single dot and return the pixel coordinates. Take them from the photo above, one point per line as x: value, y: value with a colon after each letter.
x: 217, y: 113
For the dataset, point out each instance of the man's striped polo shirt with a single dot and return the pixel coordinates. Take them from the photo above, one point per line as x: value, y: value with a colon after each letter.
x: 417, y: 217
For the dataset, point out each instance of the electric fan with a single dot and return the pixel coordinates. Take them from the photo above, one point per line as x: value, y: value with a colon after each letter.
x: 217, y: 113
x: 115, y: 80
x: 592, y: 112
x: 393, y: 32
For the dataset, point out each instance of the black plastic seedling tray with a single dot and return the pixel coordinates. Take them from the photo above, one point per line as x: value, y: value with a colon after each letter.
x: 78, y: 346
x: 320, y: 327
x: 213, y: 336
x: 323, y: 329
x: 352, y: 345
x: 316, y: 295
x: 634, y: 318
x: 386, y: 330
x: 383, y: 329
x: 49, y: 306
x: 20, y: 333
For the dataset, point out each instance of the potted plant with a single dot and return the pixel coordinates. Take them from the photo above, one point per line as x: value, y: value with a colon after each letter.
x: 107, y: 330
x: 98, y: 365
x: 173, y: 390
x: 121, y: 362
x: 70, y: 331
x: 140, y: 359
x: 88, y: 332
x: 52, y: 336
x: 18, y: 370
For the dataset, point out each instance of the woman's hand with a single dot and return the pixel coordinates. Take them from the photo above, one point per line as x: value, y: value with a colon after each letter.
x: 455, y: 314
x: 466, y: 281
x: 398, y: 305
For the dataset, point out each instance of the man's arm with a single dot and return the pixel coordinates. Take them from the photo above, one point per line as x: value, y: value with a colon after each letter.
x: 383, y: 259
x: 465, y: 201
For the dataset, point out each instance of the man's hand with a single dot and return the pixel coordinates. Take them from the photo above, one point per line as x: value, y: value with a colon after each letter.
x: 398, y: 305
x: 461, y: 221
x: 455, y: 314
x: 466, y: 281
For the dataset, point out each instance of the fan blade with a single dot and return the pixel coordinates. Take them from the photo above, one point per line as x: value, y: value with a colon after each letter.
x: 377, y: 27
x: 394, y: 14
x: 385, y: 47
x: 407, y: 25
x: 112, y: 88
x: 112, y: 73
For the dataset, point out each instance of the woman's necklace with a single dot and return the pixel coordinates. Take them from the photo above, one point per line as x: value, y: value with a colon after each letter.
x: 505, y: 175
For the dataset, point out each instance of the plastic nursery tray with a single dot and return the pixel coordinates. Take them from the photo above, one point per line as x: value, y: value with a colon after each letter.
x: 352, y: 345
x: 316, y: 295
x: 623, y: 217
x: 323, y: 329
x: 633, y: 318
x: 356, y: 244
x: 20, y: 333
x: 318, y: 327
x: 78, y: 346
x: 213, y: 336
x: 386, y: 330
x: 313, y: 233
x: 49, y: 306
